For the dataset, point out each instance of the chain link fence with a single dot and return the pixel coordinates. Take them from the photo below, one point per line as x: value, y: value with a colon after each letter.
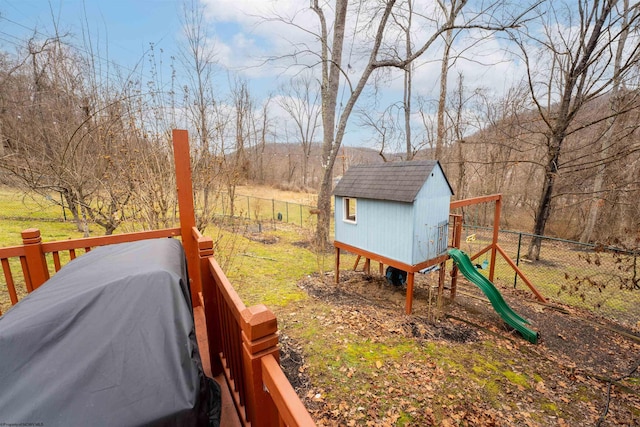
x: 263, y: 210
x: 602, y: 280
x: 29, y: 207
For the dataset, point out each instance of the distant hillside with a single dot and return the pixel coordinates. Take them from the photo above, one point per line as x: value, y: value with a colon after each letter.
x: 509, y: 156
x: 282, y: 164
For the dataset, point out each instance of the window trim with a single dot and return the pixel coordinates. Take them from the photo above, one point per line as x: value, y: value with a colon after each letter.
x: 352, y: 219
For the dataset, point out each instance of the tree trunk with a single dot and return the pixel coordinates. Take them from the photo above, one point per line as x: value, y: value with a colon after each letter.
x: 330, y: 85
x: 544, y: 205
x: 442, y: 100
x: 608, y: 139
x: 73, y: 208
x: 407, y: 85
x: 305, y: 168
x: 231, y: 190
x: 461, y: 170
x: 407, y: 110
x: 574, y: 87
x: 324, y: 208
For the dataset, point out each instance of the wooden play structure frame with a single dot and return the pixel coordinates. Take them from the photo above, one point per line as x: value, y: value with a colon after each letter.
x: 456, y: 221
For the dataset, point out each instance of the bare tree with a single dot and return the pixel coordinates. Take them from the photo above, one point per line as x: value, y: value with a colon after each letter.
x: 459, y: 132
x: 199, y: 61
x: 444, y: 74
x: 64, y: 130
x: 382, y: 53
x: 574, y: 66
x: 404, y: 23
x: 301, y: 101
x: 235, y: 162
x: 607, y: 142
x: 429, y: 125
x: 261, y: 135
x: 386, y: 128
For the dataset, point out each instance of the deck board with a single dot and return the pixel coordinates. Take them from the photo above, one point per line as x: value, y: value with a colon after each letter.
x: 229, y: 416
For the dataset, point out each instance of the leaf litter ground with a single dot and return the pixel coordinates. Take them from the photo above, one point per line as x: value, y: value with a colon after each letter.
x: 367, y: 363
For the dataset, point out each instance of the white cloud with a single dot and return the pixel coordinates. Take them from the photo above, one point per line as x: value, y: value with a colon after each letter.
x: 249, y: 32
x: 253, y: 33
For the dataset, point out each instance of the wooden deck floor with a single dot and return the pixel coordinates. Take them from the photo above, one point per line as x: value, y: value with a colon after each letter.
x: 229, y: 417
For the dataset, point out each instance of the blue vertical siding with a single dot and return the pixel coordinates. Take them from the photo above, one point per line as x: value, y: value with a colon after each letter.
x: 381, y: 227
x: 431, y: 208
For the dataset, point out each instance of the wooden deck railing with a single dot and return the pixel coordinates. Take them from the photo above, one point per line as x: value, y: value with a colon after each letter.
x: 244, y: 347
x: 39, y: 260
x: 243, y: 341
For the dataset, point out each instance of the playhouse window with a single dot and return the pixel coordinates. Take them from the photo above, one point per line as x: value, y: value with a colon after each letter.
x: 350, y: 209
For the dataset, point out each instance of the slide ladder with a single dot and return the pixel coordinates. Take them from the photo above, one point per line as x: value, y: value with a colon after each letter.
x: 464, y: 264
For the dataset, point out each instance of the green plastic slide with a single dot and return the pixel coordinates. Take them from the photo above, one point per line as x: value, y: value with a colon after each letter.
x: 469, y: 271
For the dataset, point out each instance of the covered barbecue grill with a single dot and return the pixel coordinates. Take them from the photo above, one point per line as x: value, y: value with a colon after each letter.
x: 108, y: 340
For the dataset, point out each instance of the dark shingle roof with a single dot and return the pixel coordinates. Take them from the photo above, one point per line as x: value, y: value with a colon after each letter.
x: 396, y: 181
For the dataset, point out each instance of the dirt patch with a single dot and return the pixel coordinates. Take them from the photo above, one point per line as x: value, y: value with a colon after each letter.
x: 292, y: 363
x: 267, y: 239
x: 578, y: 339
x: 564, y: 380
x: 304, y: 244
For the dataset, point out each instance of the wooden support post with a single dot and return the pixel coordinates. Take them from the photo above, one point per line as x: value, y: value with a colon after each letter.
x: 494, y: 240
x: 355, y: 264
x: 185, y: 206
x: 36, y: 263
x: 441, y: 278
x: 381, y: 268
x: 211, y: 304
x: 337, y: 268
x: 259, y: 339
x: 457, y: 237
x: 410, y: 269
x: 8, y: 277
x: 367, y: 266
x: 458, y: 220
x: 513, y: 265
x: 409, y: 299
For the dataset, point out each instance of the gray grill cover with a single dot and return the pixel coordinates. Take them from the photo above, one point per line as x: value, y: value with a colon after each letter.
x: 108, y: 340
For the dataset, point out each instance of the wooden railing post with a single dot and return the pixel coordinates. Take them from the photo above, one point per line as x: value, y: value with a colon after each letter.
x: 211, y: 303
x: 494, y: 238
x: 259, y: 339
x: 290, y: 407
x: 38, y: 272
x: 337, y: 266
x: 185, y: 206
x: 457, y: 236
